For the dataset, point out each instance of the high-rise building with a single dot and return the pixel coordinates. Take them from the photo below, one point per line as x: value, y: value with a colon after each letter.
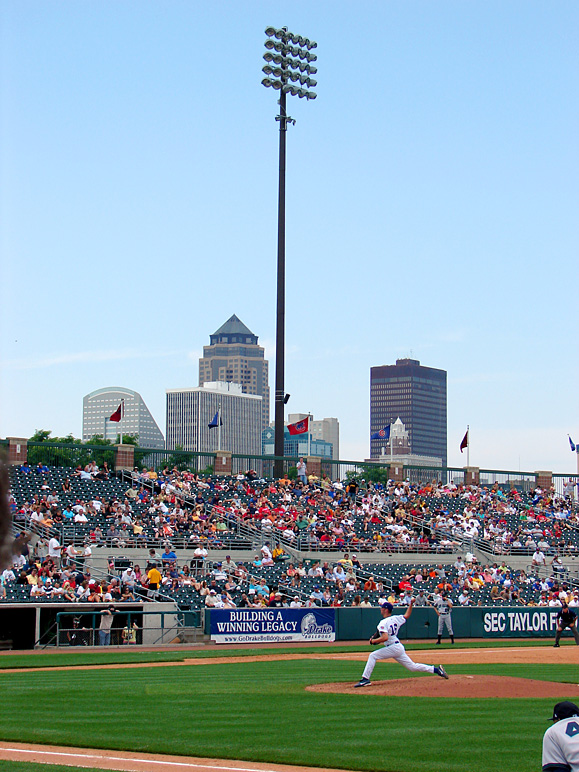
x: 99, y: 405
x: 234, y: 356
x: 190, y: 411
x: 416, y: 395
x: 326, y: 429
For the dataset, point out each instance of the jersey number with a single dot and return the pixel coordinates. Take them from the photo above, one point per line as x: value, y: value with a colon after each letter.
x: 572, y: 729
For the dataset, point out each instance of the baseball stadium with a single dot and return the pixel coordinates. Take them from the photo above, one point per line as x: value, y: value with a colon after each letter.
x: 156, y: 615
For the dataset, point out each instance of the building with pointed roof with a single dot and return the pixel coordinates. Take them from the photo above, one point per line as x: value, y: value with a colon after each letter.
x: 234, y: 356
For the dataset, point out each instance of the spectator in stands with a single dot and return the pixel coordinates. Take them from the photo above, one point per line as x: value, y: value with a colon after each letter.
x: 168, y: 556
x: 127, y: 595
x: 266, y: 555
x: 54, y: 550
x: 229, y: 566
x: 558, y: 566
x: 355, y: 562
x: 211, y: 599
x: 538, y: 558
x: 370, y: 585
x: 199, y: 557
x: 154, y: 576
x: 302, y: 471
x: 71, y: 554
x: 129, y: 577
x: 112, y: 536
x: 315, y: 571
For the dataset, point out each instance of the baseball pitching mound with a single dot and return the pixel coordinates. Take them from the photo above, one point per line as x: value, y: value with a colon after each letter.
x: 473, y: 686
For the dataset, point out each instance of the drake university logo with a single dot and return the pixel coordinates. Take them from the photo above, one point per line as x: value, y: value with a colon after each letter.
x: 311, y: 629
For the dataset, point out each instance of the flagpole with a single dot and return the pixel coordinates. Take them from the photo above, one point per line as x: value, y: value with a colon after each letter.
x: 309, y: 434
x: 122, y: 416
x: 468, y: 445
x: 219, y: 426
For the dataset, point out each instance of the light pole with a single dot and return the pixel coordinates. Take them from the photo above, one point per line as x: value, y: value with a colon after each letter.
x: 288, y: 69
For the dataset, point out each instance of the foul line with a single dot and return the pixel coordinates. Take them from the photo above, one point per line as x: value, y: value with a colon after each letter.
x: 133, y: 759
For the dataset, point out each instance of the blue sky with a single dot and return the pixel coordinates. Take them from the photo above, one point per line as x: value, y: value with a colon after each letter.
x: 432, y: 208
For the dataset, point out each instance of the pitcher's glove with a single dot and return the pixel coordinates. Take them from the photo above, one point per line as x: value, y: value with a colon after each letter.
x: 374, y: 638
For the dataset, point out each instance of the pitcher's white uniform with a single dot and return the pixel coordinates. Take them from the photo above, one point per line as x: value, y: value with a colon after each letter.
x: 393, y: 649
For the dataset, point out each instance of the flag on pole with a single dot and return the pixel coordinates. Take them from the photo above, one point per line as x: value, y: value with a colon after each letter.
x: 215, y: 421
x: 464, y: 443
x: 300, y: 427
x: 382, y: 434
x: 118, y: 414
x: 573, y: 446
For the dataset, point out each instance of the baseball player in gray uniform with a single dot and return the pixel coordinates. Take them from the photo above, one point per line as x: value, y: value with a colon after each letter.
x: 443, y: 607
x: 387, y: 633
x: 561, y: 741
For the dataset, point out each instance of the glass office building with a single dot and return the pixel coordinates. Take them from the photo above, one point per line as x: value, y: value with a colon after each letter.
x: 416, y: 395
x: 296, y: 445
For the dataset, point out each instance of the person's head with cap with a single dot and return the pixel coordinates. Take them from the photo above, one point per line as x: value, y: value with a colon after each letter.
x: 386, y: 608
x: 564, y: 710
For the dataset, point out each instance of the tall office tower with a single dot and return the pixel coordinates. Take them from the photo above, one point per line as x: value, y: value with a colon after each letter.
x: 326, y: 429
x: 99, y: 405
x: 416, y: 395
x: 190, y: 411
x: 234, y: 356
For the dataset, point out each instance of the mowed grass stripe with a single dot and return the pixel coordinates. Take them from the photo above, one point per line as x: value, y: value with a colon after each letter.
x: 260, y: 712
x: 95, y: 657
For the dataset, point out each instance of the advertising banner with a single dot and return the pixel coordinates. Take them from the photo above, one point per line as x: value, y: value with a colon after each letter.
x: 272, y: 625
x: 533, y: 622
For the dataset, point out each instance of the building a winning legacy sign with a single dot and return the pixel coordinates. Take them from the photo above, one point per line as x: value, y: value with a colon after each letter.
x: 272, y: 625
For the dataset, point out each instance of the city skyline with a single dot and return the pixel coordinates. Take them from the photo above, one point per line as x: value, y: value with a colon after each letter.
x: 439, y: 224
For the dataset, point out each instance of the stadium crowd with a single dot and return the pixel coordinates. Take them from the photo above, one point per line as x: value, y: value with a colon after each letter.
x: 203, y: 513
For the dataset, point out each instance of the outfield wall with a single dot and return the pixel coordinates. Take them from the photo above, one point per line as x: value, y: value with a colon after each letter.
x: 354, y: 624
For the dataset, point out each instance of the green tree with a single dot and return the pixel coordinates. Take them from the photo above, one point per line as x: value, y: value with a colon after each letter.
x: 128, y: 439
x: 41, y: 435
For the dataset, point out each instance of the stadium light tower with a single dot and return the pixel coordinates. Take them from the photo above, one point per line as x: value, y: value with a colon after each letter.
x: 288, y: 69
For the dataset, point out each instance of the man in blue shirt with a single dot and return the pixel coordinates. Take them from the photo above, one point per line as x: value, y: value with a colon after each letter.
x: 168, y: 556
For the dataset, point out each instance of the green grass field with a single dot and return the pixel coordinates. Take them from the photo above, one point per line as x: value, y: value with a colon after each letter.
x: 260, y: 711
x: 79, y: 657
